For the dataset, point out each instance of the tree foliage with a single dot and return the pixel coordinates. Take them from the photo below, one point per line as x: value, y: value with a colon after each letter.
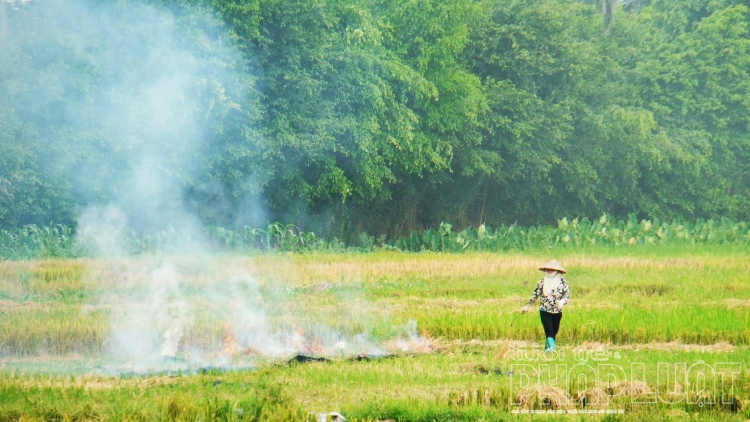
x: 344, y: 116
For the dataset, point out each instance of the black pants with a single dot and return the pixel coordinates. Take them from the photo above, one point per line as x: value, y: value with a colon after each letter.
x: 551, y: 323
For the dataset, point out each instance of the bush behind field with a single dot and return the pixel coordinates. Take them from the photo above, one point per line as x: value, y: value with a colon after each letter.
x: 58, y: 241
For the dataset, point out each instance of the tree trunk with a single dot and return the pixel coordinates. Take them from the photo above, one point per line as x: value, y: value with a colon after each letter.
x: 608, y: 14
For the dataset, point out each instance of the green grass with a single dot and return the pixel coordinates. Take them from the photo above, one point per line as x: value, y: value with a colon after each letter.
x: 237, y: 397
x: 445, y: 386
x: 649, y: 304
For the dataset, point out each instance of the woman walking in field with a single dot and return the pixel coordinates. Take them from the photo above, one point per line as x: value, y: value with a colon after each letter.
x: 554, y: 293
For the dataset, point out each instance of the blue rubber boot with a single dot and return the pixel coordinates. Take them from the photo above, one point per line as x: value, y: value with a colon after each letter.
x: 550, y: 345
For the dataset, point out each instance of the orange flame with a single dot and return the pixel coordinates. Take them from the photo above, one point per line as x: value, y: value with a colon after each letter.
x: 309, y: 345
x: 230, y: 344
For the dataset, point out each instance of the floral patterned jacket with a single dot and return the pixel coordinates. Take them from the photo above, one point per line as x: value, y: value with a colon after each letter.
x: 561, y: 295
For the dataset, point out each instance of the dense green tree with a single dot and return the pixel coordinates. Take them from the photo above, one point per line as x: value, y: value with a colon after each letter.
x: 384, y: 116
x: 562, y: 120
x: 694, y: 76
x: 359, y: 99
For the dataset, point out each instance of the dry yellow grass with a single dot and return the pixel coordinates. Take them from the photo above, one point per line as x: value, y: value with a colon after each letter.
x: 733, y: 303
x: 297, y: 270
x: 303, y: 269
x: 618, y: 301
x: 543, y: 397
x: 625, y: 388
x: 592, y: 397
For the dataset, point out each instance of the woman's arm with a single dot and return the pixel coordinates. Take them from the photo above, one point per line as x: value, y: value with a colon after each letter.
x: 536, y: 294
x: 565, y: 294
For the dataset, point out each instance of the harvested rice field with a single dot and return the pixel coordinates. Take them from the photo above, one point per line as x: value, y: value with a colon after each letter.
x: 649, y: 334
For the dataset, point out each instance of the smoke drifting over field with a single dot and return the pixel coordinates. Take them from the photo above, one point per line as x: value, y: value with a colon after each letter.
x: 151, y: 127
x: 169, y: 312
x: 153, y: 132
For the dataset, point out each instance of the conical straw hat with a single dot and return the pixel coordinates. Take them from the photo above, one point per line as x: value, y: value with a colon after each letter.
x: 552, y: 265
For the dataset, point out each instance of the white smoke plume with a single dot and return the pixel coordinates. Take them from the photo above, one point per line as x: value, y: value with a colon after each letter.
x: 177, y: 304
